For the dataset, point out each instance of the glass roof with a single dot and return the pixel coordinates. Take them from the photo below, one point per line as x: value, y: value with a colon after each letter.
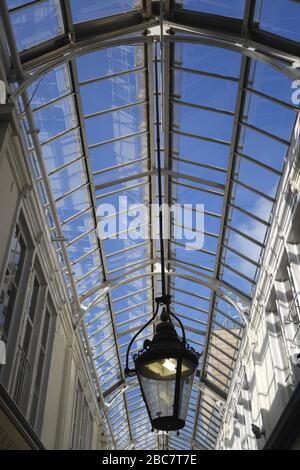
x: 279, y: 17
x: 227, y: 120
x: 83, y: 10
x: 231, y: 8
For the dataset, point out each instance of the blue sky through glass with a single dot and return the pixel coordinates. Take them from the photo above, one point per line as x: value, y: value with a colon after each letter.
x: 234, y: 8
x: 280, y: 17
x: 83, y: 10
x: 37, y: 23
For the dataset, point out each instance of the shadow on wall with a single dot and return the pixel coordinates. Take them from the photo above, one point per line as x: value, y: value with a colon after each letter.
x: 273, y: 415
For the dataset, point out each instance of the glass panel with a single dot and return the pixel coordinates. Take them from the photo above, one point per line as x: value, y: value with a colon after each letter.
x: 269, y: 116
x: 75, y: 202
x: 244, y: 246
x: 89, y: 282
x: 262, y: 148
x: 252, y: 202
x: 78, y: 226
x: 50, y: 86
x: 135, y: 322
x: 208, y: 59
x: 129, y: 289
x: 124, y: 273
x: 82, y: 267
x: 280, y: 17
x: 203, y: 123
x: 133, y: 169
x: 200, y: 151
x: 100, y: 329
x: 83, y: 10
x: 270, y: 81
x: 105, y: 367
x: 195, y: 257
x: 82, y: 246
x: 103, y: 346
x: 224, y: 308
x: 194, y: 300
x: 237, y: 281
x: 110, y: 381
x: 118, y: 153
x: 234, y: 8
x: 17, y: 3
x: 127, y: 312
x: 197, y: 89
x: 67, y: 179
x: 56, y: 118
x: 248, y: 225
x: 132, y: 189
x: 240, y: 264
x: 62, y: 150
x: 116, y: 124
x: 37, y: 23
x: 113, y: 92
x: 193, y: 194
x: 101, y: 311
x: 187, y: 168
x: 106, y: 62
x: 130, y: 256
x: 131, y: 301
x: 258, y: 178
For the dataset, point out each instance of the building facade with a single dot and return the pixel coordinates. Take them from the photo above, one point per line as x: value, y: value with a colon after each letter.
x: 262, y: 407
x: 48, y: 397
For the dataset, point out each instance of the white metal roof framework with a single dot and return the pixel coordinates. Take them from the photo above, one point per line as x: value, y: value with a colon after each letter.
x: 82, y: 74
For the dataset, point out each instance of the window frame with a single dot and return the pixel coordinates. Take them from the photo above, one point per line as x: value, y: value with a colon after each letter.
x: 31, y: 271
x: 82, y: 421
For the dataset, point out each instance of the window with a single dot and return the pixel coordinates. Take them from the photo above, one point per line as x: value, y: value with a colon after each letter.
x: 82, y: 422
x: 41, y: 367
x: 77, y: 417
x: 33, y: 352
x: 11, y: 282
x: 25, y: 352
x: 89, y: 434
x: 26, y: 325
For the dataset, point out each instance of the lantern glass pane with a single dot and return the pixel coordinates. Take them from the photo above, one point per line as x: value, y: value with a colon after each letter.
x: 185, y: 393
x: 159, y: 395
x: 158, y: 382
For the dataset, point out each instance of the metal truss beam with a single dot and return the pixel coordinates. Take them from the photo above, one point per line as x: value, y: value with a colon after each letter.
x: 221, y: 32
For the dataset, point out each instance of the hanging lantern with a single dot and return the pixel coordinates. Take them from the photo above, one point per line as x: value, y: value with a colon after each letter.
x: 165, y: 369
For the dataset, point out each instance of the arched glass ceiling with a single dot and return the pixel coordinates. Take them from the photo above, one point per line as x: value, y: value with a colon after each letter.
x: 228, y: 120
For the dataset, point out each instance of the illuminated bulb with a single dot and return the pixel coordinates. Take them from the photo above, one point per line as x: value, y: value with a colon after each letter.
x: 166, y: 367
x: 170, y: 365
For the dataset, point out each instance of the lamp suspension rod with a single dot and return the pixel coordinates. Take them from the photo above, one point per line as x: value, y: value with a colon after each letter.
x: 158, y: 153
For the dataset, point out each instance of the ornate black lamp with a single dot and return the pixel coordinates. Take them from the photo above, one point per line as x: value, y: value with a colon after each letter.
x: 166, y: 366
